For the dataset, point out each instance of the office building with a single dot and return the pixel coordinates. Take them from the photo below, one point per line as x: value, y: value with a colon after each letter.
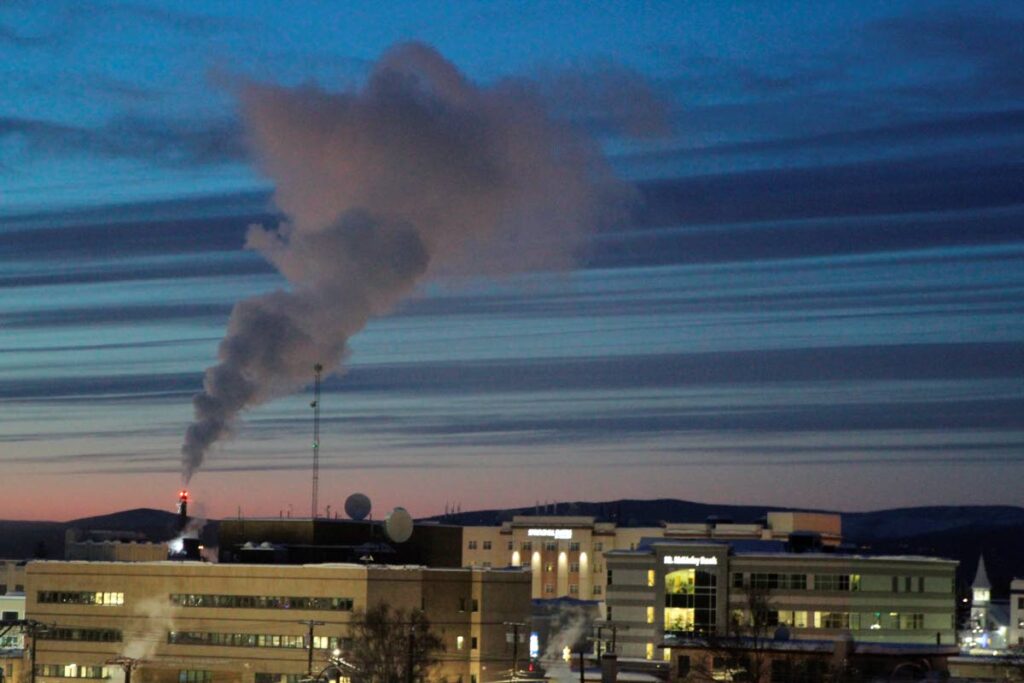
x: 666, y: 589
x: 191, y: 622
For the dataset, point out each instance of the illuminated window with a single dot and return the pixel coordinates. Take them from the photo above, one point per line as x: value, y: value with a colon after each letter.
x: 650, y: 615
x: 650, y: 577
x: 460, y: 641
x: 650, y: 651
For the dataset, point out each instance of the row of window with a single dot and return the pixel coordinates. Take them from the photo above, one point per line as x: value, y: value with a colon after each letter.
x: 902, y: 621
x: 18, y: 588
x: 822, y: 582
x: 72, y: 671
x: 250, y: 640
x: 262, y: 602
x: 99, y: 635
x: 574, y: 589
x: 107, y: 599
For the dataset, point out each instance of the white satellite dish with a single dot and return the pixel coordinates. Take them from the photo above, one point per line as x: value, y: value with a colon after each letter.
x: 398, y: 525
x: 357, y: 506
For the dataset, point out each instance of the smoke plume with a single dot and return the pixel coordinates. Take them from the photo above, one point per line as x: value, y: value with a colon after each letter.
x: 418, y: 172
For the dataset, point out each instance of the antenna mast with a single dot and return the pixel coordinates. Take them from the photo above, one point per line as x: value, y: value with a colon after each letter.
x: 315, y: 405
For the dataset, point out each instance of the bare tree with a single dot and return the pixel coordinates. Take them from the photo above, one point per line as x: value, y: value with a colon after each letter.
x: 392, y: 645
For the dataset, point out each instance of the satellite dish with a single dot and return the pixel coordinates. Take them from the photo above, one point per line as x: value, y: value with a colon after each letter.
x: 357, y: 506
x: 398, y: 525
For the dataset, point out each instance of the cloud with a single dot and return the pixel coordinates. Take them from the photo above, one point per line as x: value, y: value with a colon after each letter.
x: 163, y: 142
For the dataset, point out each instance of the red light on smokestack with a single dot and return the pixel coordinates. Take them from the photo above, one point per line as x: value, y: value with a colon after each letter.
x: 183, y: 495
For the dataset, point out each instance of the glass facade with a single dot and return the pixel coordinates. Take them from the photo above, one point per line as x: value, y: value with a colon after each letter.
x: 691, y: 601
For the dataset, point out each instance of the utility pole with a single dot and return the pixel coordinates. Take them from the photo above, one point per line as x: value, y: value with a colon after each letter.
x: 33, y: 629
x: 315, y: 405
x: 582, y: 668
x: 310, y: 624
x: 516, y: 625
x: 411, y: 655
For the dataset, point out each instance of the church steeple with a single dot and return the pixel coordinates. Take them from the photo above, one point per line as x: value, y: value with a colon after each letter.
x: 981, y: 576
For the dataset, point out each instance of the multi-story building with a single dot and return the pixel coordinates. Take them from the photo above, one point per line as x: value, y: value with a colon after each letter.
x: 566, y: 554
x: 192, y: 622
x: 667, y: 588
x: 1016, y: 631
x: 12, y: 609
x: 12, y: 576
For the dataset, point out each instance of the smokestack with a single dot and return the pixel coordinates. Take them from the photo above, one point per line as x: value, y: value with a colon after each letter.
x: 419, y: 172
x: 182, y: 510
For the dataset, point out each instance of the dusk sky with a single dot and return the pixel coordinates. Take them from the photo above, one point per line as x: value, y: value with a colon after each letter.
x: 796, y: 233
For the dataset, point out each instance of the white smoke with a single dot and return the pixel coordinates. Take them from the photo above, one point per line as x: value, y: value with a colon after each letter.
x: 419, y: 172
x: 153, y: 621
x: 570, y: 627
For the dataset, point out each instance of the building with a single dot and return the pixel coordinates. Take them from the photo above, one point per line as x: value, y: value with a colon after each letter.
x: 988, y: 628
x: 287, y: 540
x: 12, y: 576
x: 566, y: 554
x: 111, y: 546
x: 12, y: 608
x: 192, y: 622
x: 1016, y: 630
x: 666, y: 588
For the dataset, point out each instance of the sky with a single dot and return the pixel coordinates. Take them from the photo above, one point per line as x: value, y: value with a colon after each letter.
x: 808, y: 296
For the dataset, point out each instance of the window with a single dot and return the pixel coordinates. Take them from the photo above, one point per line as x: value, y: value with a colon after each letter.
x: 487, y: 545
x: 574, y: 546
x: 510, y: 545
x: 895, y: 584
x: 527, y: 546
x: 608, y: 612
x: 460, y: 641
x: 472, y: 643
x: 793, y: 618
x: 609, y: 577
x: 550, y: 545
x: 462, y: 604
x: 1020, y: 603
x: 911, y: 622
x: 549, y: 588
x: 832, y: 620
x: 94, y: 635
x: 250, y: 640
x: 597, y: 590
x: 574, y: 589
x: 650, y: 580
x: 650, y: 615
x: 476, y: 605
x: 574, y: 567
x: 549, y: 567
x: 8, y: 616
x: 194, y: 676
x: 649, y: 651
x: 80, y: 598
x: 598, y: 546
x: 837, y: 582
x: 472, y: 545
x: 19, y: 588
x: 907, y: 581
x: 920, y: 584
x: 3, y: 588
x: 261, y: 602
x: 737, y: 580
